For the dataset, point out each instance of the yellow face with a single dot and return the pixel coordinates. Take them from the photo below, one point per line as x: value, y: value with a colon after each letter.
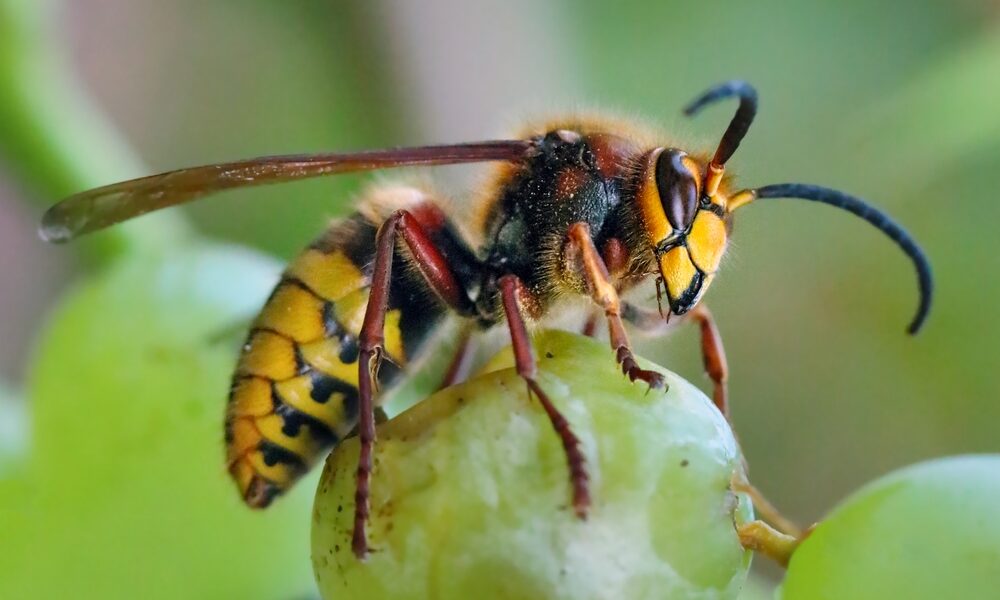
x: 686, y: 229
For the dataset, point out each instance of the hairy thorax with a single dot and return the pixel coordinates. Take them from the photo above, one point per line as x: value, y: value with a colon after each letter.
x: 576, y: 176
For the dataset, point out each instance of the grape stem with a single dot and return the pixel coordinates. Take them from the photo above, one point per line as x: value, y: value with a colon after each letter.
x: 764, y: 507
x: 761, y: 537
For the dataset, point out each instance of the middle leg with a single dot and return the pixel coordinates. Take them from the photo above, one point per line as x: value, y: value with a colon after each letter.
x: 513, y: 293
x: 461, y: 361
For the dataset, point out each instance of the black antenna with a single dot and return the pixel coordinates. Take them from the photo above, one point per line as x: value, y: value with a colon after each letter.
x: 874, y: 216
x: 740, y: 124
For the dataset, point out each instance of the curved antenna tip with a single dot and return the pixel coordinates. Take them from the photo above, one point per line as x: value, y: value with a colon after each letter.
x: 726, y: 89
x: 875, y: 217
x: 926, y: 293
x: 740, y: 123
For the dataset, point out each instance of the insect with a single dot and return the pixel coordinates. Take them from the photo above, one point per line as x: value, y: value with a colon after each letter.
x: 577, y: 208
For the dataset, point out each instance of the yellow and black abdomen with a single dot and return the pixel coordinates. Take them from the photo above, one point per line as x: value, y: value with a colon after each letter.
x: 295, y: 391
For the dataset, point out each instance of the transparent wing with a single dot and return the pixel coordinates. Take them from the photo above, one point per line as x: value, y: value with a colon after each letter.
x: 104, y: 206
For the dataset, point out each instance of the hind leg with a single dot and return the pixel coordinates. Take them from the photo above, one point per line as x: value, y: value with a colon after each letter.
x: 410, y: 227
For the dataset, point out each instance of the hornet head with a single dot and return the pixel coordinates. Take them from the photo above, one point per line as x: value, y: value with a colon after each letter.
x: 686, y: 216
x: 687, y: 229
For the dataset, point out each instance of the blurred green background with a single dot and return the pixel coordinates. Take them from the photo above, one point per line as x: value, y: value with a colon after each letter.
x: 893, y: 101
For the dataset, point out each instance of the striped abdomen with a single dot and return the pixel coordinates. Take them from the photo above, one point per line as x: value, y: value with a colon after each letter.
x: 294, y: 393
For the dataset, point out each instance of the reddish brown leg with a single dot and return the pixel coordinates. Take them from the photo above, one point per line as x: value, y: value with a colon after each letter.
x: 714, y: 357
x: 590, y: 327
x: 435, y: 269
x: 514, y: 294
x: 581, y: 246
x: 460, y: 363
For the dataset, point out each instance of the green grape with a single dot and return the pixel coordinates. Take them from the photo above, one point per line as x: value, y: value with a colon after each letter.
x: 930, y: 531
x: 127, y: 493
x: 470, y: 492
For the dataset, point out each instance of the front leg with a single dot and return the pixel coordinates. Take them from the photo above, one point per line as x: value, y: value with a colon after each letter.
x: 580, y: 250
x: 712, y: 353
x: 713, y: 357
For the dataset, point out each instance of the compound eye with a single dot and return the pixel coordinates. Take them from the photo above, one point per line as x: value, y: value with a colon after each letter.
x: 678, y: 189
